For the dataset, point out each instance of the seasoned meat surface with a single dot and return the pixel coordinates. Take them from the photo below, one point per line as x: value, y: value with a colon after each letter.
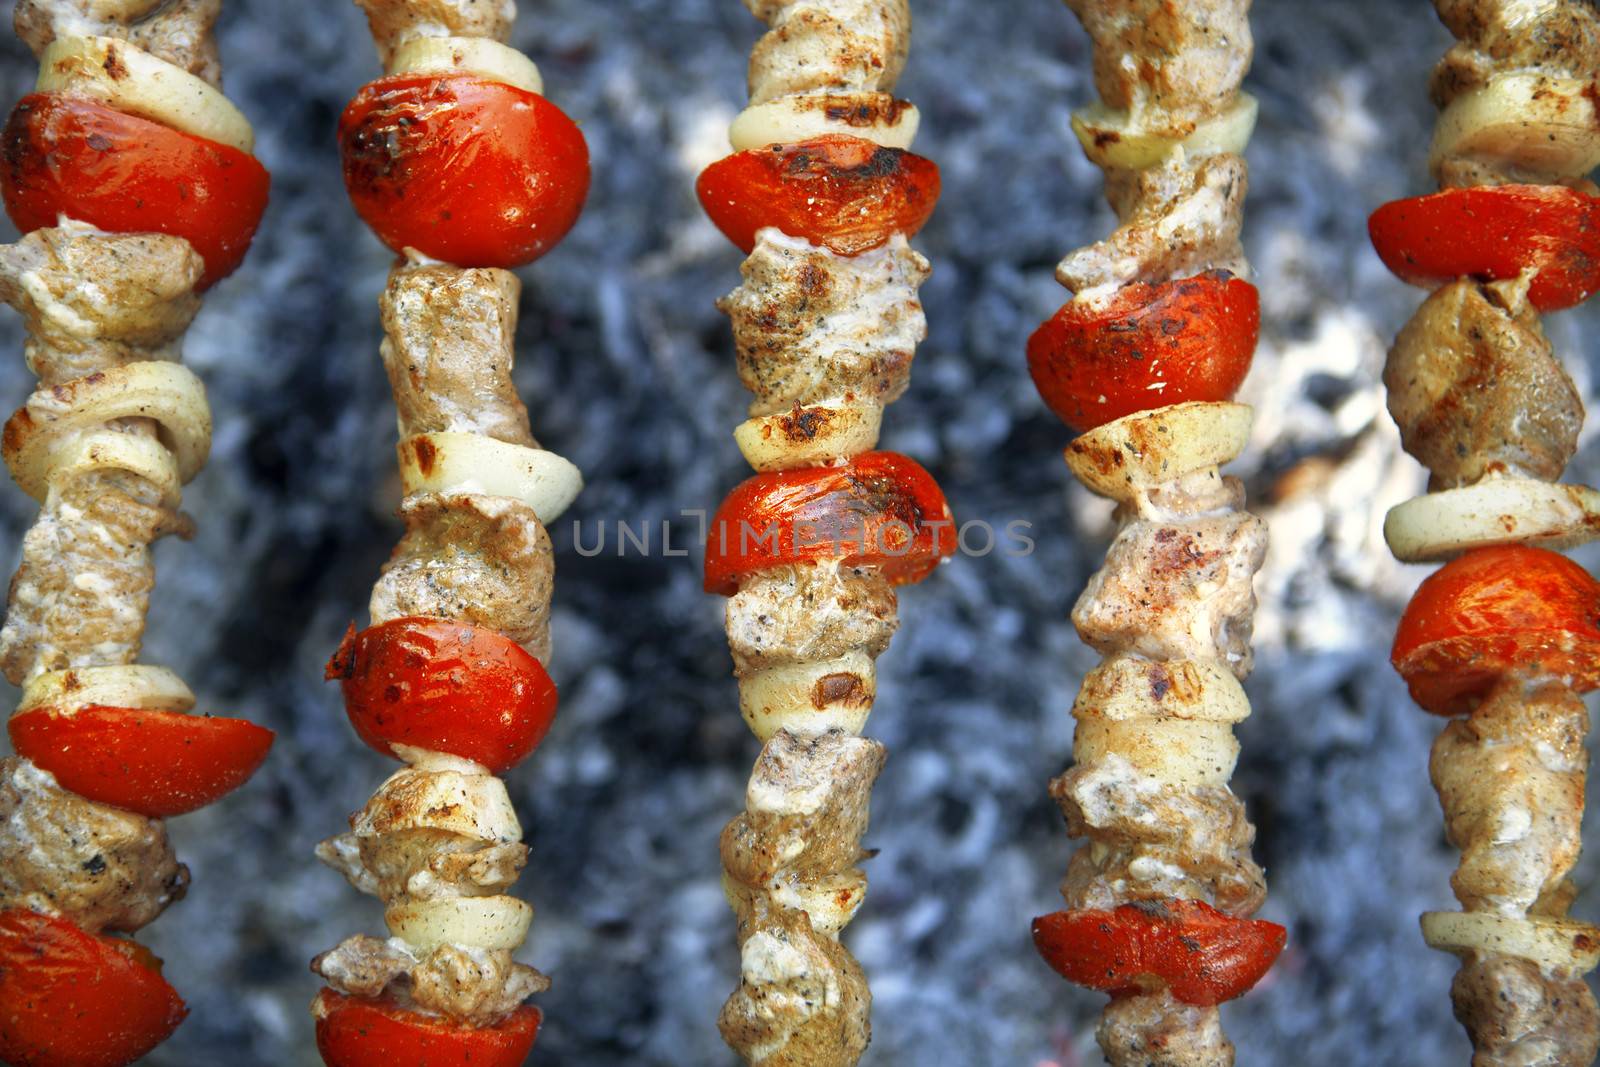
x: 448, y: 348
x: 1152, y: 839
x: 424, y: 864
x: 1174, y: 62
x: 806, y: 807
x: 470, y: 986
x: 93, y: 300
x: 811, y: 325
x: 1157, y: 1031
x: 477, y: 559
x: 178, y: 31
x: 1559, y: 37
x: 79, y: 597
x: 101, y: 867
x: 1510, y: 779
x: 1518, y: 1016
x: 803, y: 613
x: 1179, y: 219
x: 790, y: 864
x: 802, y: 999
x: 1177, y: 590
x: 394, y: 22
x: 1476, y: 389
x: 842, y: 45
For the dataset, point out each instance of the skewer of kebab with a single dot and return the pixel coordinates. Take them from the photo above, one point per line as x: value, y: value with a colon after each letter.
x: 1505, y: 636
x: 461, y: 166
x: 1142, y: 363
x: 131, y: 177
x: 822, y: 194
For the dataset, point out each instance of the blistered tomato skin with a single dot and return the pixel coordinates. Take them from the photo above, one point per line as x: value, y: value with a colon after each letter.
x: 358, y: 1032
x: 844, y: 193
x: 465, y: 170
x: 71, y: 999
x: 1148, y: 346
x: 1185, y: 946
x: 1492, y: 612
x: 156, y: 763
x: 126, y: 174
x: 1493, y: 233
x: 444, y: 686
x: 880, y: 509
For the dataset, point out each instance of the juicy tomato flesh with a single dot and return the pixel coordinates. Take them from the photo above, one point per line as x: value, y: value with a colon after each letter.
x: 1186, y: 946
x: 71, y: 999
x: 358, y: 1032
x: 880, y: 509
x: 1492, y: 233
x: 1492, y: 612
x: 156, y: 763
x: 126, y: 174
x: 465, y: 170
x: 447, y: 687
x: 1147, y: 347
x: 845, y: 193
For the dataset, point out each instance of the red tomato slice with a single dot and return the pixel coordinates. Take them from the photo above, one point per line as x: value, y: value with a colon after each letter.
x: 447, y: 687
x: 1150, y: 346
x: 843, y: 192
x: 880, y: 508
x: 1201, y: 955
x: 1493, y: 611
x: 157, y: 763
x: 1495, y: 232
x: 71, y: 999
x: 126, y: 174
x: 357, y: 1032
x: 466, y: 170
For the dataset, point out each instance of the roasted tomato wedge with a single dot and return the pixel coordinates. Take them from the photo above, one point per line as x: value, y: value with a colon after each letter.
x: 126, y: 174
x: 1187, y: 946
x: 880, y: 508
x: 447, y: 687
x: 843, y: 192
x: 1147, y: 347
x: 1493, y: 611
x: 157, y: 763
x: 356, y: 1032
x: 466, y: 170
x: 1495, y: 232
x: 71, y: 999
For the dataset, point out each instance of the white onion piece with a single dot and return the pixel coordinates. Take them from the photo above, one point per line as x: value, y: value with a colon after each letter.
x: 1567, y: 946
x: 809, y: 699
x: 454, y: 463
x: 1184, y: 752
x: 169, y: 393
x: 1117, y: 140
x: 136, y: 685
x: 1132, y: 687
x: 1148, y: 448
x: 472, y: 805
x: 875, y: 117
x: 114, y: 450
x: 479, y: 56
x: 130, y: 79
x: 809, y: 437
x: 1499, y: 511
x: 1542, y: 127
x: 491, y: 923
